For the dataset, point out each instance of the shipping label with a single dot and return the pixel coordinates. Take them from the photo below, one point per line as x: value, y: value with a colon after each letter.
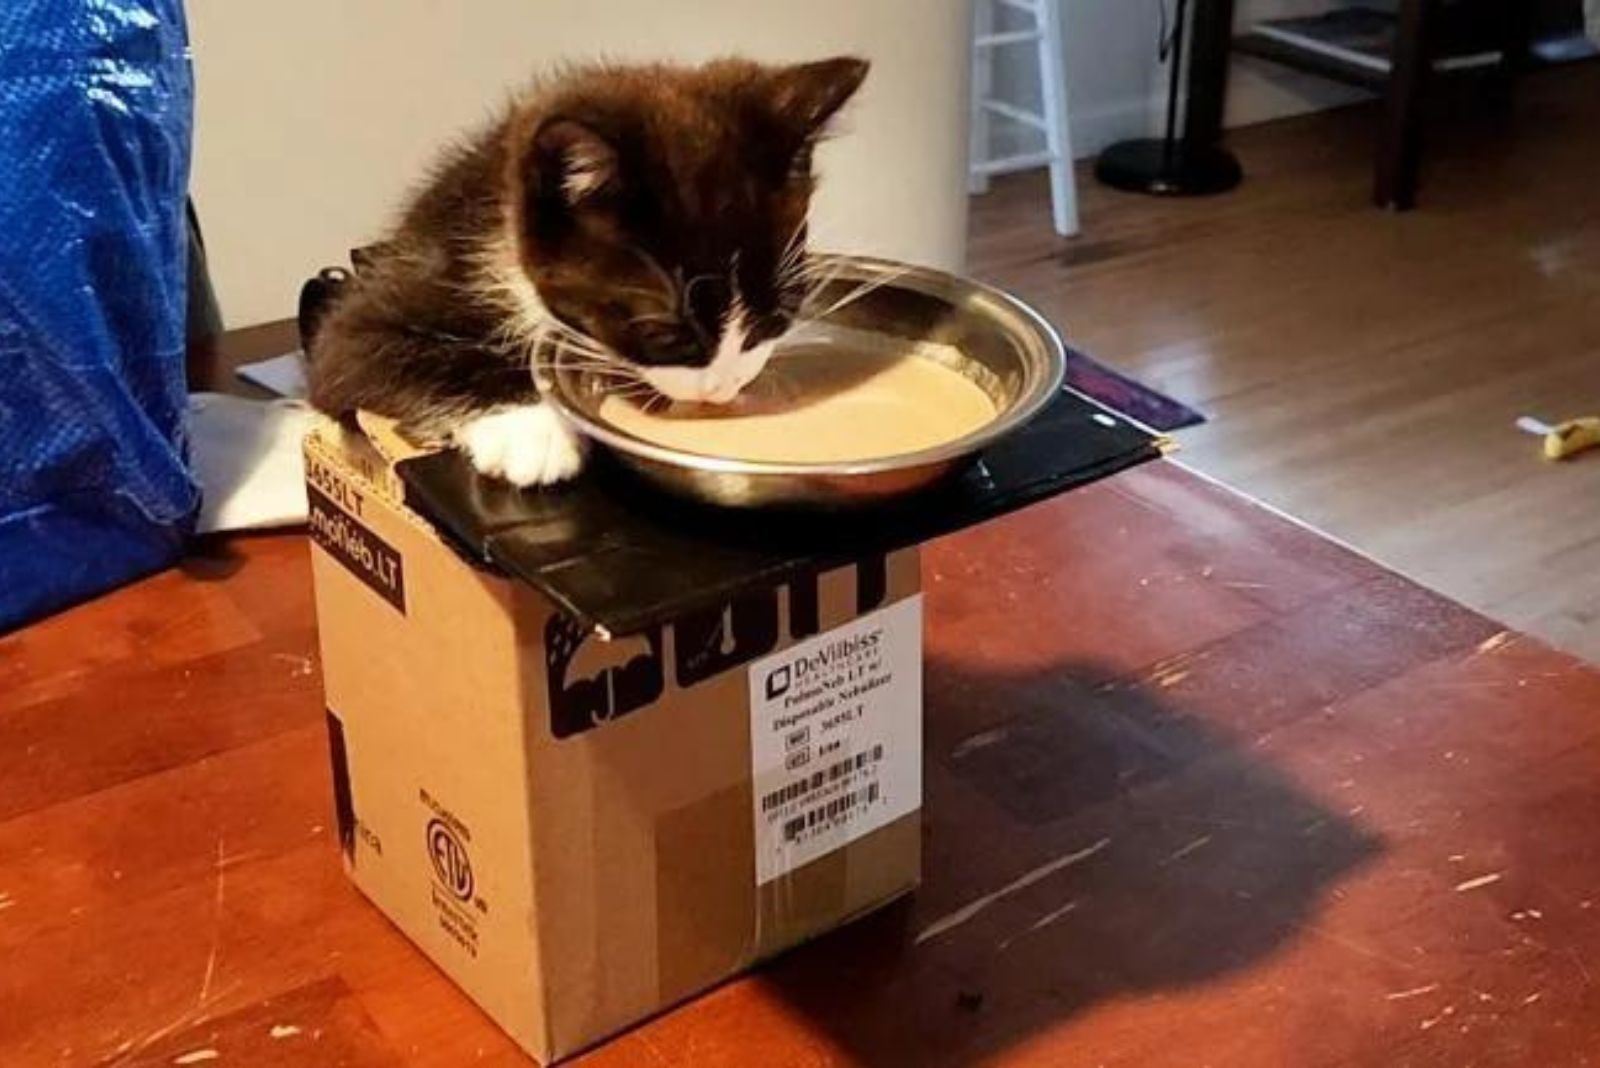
x: 836, y: 737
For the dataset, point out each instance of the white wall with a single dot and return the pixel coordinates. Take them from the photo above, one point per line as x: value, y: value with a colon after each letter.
x: 313, y: 116
x: 1118, y: 87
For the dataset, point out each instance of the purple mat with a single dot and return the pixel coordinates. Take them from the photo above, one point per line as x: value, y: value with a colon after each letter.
x: 1121, y: 393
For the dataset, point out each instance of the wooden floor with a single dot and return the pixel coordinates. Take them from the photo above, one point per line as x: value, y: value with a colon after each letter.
x: 1362, y: 370
x: 1201, y: 788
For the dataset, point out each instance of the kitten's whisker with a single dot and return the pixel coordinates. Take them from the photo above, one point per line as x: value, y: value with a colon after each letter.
x: 573, y: 337
x: 536, y: 342
x: 587, y: 355
x: 641, y: 400
x: 654, y: 267
x: 811, y: 277
x: 596, y: 355
x: 857, y: 293
x: 792, y: 259
x: 795, y: 244
x: 587, y: 366
x: 654, y: 317
x: 801, y: 330
x: 610, y: 367
x: 614, y: 374
x: 823, y: 266
x: 820, y: 278
x: 588, y: 352
x: 609, y: 377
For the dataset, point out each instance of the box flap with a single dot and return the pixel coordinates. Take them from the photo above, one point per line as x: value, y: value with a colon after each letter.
x: 621, y: 557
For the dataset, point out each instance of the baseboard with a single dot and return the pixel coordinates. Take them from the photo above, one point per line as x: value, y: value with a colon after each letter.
x: 1258, y: 92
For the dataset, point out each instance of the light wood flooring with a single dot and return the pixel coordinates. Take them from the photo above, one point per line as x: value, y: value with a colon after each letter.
x: 1362, y: 370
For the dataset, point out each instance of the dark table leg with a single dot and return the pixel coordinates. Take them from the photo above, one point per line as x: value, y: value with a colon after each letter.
x: 1211, y: 37
x: 1515, y: 32
x: 1400, y: 141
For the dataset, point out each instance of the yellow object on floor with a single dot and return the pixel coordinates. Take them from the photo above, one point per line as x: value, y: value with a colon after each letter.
x: 1563, y: 440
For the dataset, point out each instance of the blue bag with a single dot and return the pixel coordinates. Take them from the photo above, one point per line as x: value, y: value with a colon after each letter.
x: 96, y: 106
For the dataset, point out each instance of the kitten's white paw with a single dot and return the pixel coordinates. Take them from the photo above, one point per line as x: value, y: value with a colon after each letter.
x: 527, y: 446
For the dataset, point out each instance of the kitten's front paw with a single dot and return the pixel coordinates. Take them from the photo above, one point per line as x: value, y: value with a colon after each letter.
x: 527, y: 446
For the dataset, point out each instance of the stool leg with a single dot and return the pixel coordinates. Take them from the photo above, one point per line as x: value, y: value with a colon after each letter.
x: 1058, y: 136
x: 982, y: 87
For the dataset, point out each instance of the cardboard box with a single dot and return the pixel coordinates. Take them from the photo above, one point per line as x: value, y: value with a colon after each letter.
x: 582, y: 831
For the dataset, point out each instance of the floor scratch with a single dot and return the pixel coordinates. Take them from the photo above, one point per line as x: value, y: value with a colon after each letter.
x: 968, y: 911
x: 1414, y: 992
x: 1355, y: 947
x: 979, y: 741
x: 216, y: 927
x: 1434, y: 1021
x: 131, y: 1048
x: 1479, y: 882
x: 1197, y: 844
x: 1040, y: 924
x: 1583, y: 969
x: 1494, y: 642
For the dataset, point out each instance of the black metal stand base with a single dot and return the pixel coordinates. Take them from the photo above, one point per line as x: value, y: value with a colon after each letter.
x: 1149, y: 166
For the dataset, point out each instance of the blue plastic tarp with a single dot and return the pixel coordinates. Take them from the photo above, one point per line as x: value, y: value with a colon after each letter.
x: 96, y: 106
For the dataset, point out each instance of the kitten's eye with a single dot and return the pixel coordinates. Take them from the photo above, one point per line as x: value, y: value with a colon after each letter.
x: 661, y: 333
x: 667, y: 341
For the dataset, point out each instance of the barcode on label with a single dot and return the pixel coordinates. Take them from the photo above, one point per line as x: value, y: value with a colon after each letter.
x: 832, y: 810
x: 820, y: 778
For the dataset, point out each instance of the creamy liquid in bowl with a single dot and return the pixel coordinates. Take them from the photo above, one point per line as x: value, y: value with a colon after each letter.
x: 821, y: 407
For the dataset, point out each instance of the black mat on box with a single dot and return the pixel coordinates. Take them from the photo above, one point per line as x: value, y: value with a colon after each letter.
x: 621, y: 557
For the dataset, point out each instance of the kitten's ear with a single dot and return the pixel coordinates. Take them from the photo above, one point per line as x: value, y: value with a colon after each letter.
x: 574, y: 161
x: 807, y: 95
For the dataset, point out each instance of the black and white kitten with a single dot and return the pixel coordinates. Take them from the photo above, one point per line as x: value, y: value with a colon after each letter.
x: 652, y: 219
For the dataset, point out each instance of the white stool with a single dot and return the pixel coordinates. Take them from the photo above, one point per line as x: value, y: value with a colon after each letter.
x: 1040, y: 27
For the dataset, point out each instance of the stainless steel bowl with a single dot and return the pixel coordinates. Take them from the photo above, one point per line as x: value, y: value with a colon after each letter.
x: 995, y: 340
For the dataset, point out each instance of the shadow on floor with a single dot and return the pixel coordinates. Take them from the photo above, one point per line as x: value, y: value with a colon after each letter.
x: 1084, y: 840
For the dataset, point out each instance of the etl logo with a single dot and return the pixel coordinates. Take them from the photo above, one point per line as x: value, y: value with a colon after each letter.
x: 778, y: 682
x: 450, y: 861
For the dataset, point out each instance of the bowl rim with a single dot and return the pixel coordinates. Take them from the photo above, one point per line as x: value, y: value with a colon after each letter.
x: 1027, y: 405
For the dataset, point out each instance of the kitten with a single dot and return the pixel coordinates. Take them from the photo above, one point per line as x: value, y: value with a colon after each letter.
x: 650, y: 218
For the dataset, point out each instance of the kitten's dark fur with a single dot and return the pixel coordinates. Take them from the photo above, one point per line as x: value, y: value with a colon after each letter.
x: 652, y: 214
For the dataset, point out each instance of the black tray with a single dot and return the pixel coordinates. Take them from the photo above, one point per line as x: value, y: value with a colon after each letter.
x: 622, y: 558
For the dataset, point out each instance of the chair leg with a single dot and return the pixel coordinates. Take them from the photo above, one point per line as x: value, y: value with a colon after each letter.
x: 982, y: 87
x: 1058, y: 136
x: 1400, y: 143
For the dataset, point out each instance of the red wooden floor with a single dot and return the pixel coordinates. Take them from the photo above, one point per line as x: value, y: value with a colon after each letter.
x: 1201, y: 788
